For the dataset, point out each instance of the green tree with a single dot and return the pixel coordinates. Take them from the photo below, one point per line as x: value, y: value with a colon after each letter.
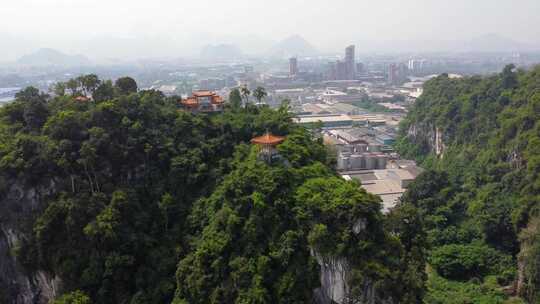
x: 260, y: 94
x: 73, y: 86
x: 104, y: 92
x: 59, y: 88
x: 126, y: 85
x: 76, y: 297
x: 235, y: 98
x: 509, y: 77
x: 245, y: 92
x: 89, y: 83
x: 467, y: 261
x: 35, y: 110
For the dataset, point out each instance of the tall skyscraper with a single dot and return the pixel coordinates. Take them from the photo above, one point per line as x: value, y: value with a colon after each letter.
x: 350, y: 62
x: 393, y: 73
x: 341, y: 70
x: 293, y: 66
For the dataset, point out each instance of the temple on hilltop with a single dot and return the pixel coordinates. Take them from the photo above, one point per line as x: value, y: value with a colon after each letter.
x: 203, y: 101
x: 267, y: 145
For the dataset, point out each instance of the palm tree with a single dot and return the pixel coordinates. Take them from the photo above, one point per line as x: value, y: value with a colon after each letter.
x: 245, y: 94
x: 260, y: 93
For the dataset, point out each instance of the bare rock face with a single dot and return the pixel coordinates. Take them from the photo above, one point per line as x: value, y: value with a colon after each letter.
x: 335, y: 274
x: 17, y: 285
x: 526, y: 285
x: 334, y: 278
x: 430, y: 135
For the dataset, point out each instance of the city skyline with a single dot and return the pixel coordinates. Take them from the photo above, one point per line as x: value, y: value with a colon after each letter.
x: 165, y: 28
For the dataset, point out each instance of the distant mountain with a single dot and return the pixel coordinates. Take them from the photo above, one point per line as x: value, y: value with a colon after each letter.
x: 14, y: 46
x: 293, y: 46
x: 494, y: 43
x: 47, y: 57
x: 221, y: 52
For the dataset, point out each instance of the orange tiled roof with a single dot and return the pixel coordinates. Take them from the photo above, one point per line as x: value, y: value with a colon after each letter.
x: 203, y: 93
x: 82, y: 98
x: 268, y: 139
x: 217, y: 99
x: 190, y: 102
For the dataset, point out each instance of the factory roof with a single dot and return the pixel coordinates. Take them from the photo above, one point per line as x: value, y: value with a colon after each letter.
x: 394, y: 174
x: 346, y: 108
x: 379, y: 187
x: 323, y: 118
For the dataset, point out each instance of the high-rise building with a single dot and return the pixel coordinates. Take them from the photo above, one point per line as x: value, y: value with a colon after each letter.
x: 341, y: 70
x: 293, y: 66
x: 350, y: 62
x: 416, y: 66
x: 337, y: 70
x: 403, y: 72
x: 393, y: 72
x: 331, y: 73
x: 359, y: 67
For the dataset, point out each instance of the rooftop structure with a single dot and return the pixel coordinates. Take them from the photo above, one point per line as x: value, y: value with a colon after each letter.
x: 328, y: 121
x: 331, y: 96
x: 388, y: 184
x: 345, y: 108
x: 82, y: 99
x: 268, y: 140
x: 203, y: 101
x: 361, y: 161
x: 267, y: 145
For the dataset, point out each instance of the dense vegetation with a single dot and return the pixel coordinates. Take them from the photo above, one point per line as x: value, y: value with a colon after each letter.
x: 141, y: 202
x: 480, y: 199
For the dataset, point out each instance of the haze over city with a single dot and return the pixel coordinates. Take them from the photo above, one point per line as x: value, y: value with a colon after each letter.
x: 269, y: 152
x: 102, y: 29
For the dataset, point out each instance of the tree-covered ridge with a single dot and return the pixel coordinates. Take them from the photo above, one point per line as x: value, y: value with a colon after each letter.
x: 128, y: 199
x: 262, y: 228
x: 480, y: 200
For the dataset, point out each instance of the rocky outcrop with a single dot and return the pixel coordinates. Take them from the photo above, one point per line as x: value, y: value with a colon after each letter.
x: 335, y: 276
x: 428, y: 136
x: 17, y: 285
x: 528, y: 282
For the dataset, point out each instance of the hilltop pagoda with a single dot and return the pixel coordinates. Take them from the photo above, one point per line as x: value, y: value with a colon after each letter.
x: 267, y: 146
x: 203, y: 101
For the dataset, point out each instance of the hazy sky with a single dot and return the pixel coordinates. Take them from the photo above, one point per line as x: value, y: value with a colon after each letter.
x: 84, y: 25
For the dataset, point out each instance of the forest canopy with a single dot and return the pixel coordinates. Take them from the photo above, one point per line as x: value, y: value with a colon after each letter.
x: 480, y: 198
x: 130, y: 199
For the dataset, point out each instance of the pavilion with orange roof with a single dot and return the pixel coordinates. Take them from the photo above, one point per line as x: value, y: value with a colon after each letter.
x: 203, y: 101
x: 267, y: 144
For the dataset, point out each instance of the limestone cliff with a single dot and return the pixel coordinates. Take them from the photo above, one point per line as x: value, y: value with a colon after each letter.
x: 528, y: 278
x: 17, y: 285
x: 335, y: 276
x: 429, y: 137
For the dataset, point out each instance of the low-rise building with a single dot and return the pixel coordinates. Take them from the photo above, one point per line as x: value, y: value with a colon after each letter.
x: 361, y: 161
x: 389, y: 184
x: 327, y: 120
x: 203, y: 101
